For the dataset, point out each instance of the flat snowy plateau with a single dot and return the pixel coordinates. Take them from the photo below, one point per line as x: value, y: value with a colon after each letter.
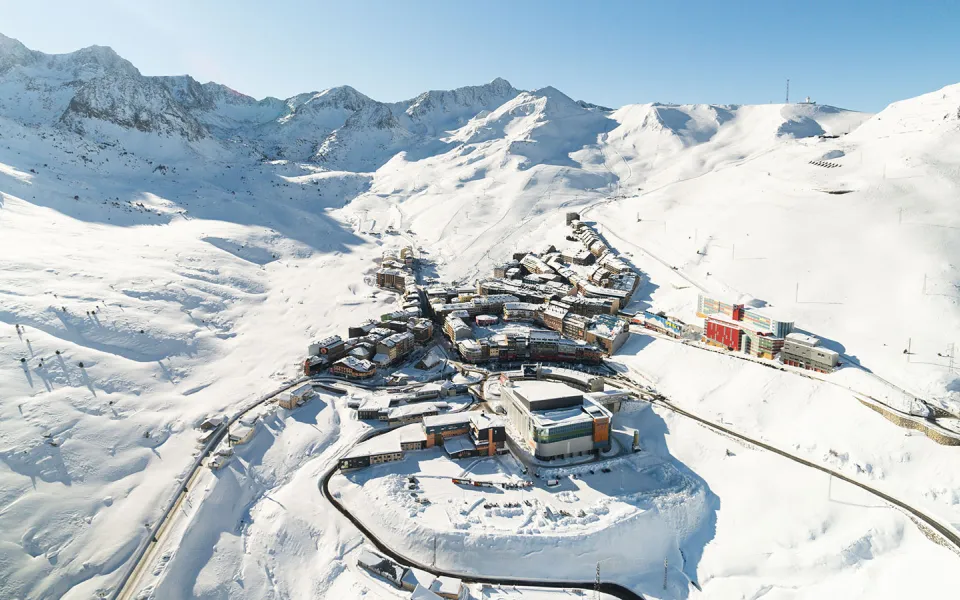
x: 168, y: 249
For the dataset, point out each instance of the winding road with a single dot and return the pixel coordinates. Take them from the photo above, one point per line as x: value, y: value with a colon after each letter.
x: 948, y: 533
x: 613, y: 589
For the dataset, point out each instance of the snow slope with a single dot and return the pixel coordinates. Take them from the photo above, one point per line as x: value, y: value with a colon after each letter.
x: 185, y: 242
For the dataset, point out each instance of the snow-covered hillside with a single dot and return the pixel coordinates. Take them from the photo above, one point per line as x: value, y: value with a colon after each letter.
x: 183, y: 242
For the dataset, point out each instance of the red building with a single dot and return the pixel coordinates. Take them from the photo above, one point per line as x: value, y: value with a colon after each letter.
x: 723, y: 332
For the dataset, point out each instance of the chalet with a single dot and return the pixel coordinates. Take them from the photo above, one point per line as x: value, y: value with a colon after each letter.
x: 295, y: 397
x: 352, y: 367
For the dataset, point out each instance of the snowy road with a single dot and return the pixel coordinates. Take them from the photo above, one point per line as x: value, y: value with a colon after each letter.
x: 946, y: 532
x: 612, y: 589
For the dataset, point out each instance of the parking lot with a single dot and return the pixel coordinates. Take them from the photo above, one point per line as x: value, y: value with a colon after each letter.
x: 495, y: 494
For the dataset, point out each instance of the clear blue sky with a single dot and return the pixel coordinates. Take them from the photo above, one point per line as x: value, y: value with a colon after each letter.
x: 856, y: 54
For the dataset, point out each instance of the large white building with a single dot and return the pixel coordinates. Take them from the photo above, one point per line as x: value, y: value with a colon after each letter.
x: 555, y: 420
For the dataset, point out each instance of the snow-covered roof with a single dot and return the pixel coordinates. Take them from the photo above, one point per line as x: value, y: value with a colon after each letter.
x: 457, y: 444
x: 302, y: 390
x: 375, y: 402
x: 410, y: 410
x: 446, y: 585
x: 555, y: 310
x: 240, y: 430
x: 417, y: 577
x: 483, y: 420
x: 601, y: 396
x: 387, y: 443
x: 802, y: 338
x: 539, y: 390
x: 607, y: 326
x: 447, y: 419
x: 412, y: 433
x: 329, y: 341
x: 357, y: 364
x: 422, y: 593
x: 561, y: 416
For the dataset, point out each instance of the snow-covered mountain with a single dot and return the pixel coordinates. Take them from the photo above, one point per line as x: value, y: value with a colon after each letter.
x: 339, y: 128
x: 184, y: 242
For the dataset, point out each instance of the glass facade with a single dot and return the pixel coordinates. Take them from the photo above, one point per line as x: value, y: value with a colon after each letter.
x: 559, y: 433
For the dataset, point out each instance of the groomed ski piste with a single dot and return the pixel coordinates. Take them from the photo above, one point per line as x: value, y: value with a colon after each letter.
x: 187, y: 271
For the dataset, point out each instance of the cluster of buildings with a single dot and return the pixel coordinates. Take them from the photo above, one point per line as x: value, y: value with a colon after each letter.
x: 579, y: 329
x: 528, y: 344
x: 396, y: 272
x: 372, y: 345
x: 578, y: 307
x: 421, y: 584
x: 461, y: 434
x: 762, y: 333
x: 579, y: 310
x: 408, y: 406
x: 550, y: 418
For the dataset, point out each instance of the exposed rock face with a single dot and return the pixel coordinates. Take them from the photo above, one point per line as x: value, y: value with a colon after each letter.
x: 133, y: 102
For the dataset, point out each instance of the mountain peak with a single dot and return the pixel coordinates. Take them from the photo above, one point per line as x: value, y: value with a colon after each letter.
x: 98, y: 57
x: 13, y: 52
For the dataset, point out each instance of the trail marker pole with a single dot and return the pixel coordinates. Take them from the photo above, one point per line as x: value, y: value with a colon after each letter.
x: 664, y: 574
x: 596, y: 585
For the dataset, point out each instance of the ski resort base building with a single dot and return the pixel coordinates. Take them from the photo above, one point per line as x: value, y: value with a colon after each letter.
x: 555, y: 420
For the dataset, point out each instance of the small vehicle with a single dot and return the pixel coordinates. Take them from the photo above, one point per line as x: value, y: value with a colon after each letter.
x: 553, y: 482
x: 605, y: 469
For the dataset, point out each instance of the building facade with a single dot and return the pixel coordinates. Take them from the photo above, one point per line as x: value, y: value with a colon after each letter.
x: 396, y: 346
x: 723, y: 332
x: 707, y: 306
x: 763, y: 320
x: 555, y: 420
x: 805, y: 351
x: 354, y: 368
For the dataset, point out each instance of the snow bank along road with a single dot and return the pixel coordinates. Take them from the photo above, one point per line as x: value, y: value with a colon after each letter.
x: 128, y: 583
x: 612, y: 589
x: 948, y: 533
